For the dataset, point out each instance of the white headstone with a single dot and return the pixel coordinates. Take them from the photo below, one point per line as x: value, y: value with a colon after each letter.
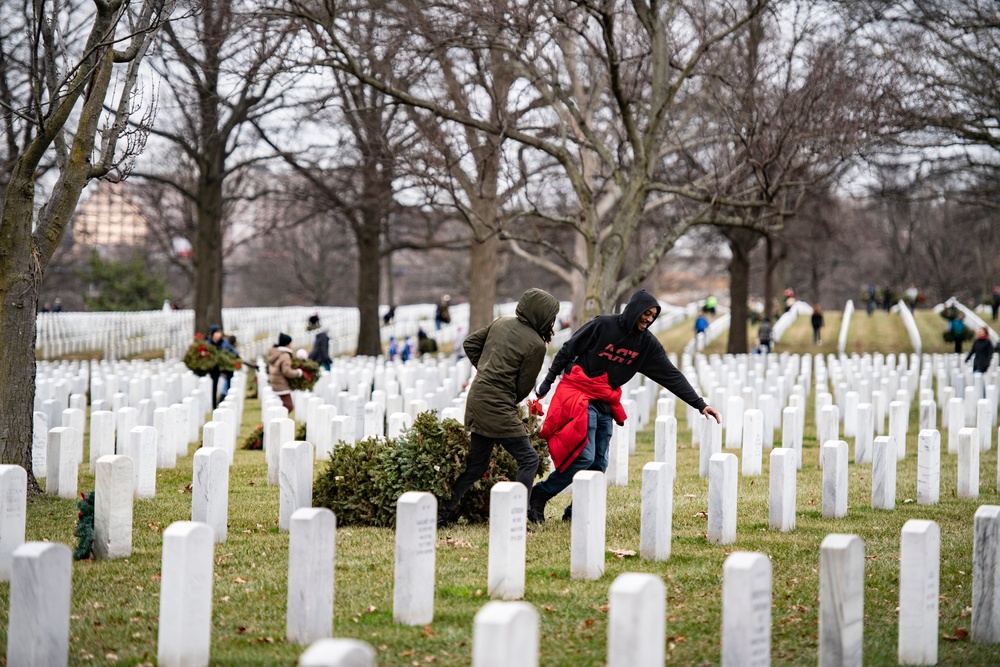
x: 735, y: 422
x: 296, y: 477
x: 166, y: 452
x: 78, y: 420
x: 928, y: 467
x: 124, y: 421
x: 13, y: 513
x: 746, y: 610
x: 841, y: 600
x: 214, y: 434
x: 637, y: 611
x: 505, y: 634
x: 827, y: 427
x: 142, y: 451
x: 781, y: 495
x: 587, y: 535
x: 791, y: 432
x: 968, y: 463
x: 711, y: 444
x: 984, y: 424
x: 884, y: 473
x: 416, y: 543
x: 398, y: 422
x: 311, y: 553
x: 656, y: 524
x: 185, y: 623
x: 898, y: 423
x: 986, y: 575
x: 753, y: 442
x: 61, y: 462
x: 956, y: 422
x: 928, y: 415
x: 280, y: 432
x: 113, y: 490
x: 722, y: 492
x: 617, y: 473
x: 919, y: 566
x: 665, y: 440
x: 834, y: 457
x: 850, y: 415
x: 322, y: 431
x: 342, y: 430
x: 39, y: 444
x: 866, y: 430
x: 38, y: 620
x: 338, y: 653
x: 102, y: 435
x: 210, y: 490
x: 508, y: 516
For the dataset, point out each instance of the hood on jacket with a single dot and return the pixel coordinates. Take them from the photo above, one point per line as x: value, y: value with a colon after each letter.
x: 276, y: 351
x: 640, y: 302
x: 537, y: 309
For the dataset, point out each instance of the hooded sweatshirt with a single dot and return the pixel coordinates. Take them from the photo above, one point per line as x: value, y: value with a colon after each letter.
x: 508, y: 355
x: 612, y: 344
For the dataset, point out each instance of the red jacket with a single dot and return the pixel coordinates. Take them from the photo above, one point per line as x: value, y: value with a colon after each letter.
x: 565, y: 426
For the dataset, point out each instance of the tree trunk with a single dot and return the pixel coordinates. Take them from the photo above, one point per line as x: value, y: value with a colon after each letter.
x: 578, y: 282
x: 369, y: 280
x: 208, y: 255
x: 769, y: 264
x: 741, y: 243
x: 390, y: 286
x: 482, y: 281
x: 20, y: 276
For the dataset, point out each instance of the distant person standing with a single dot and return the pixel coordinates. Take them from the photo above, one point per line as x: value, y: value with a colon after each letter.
x: 957, y: 328
x: 996, y: 301
x: 320, y: 352
x: 443, y: 313
x: 870, y: 299
x: 711, y: 303
x: 764, y: 335
x: 981, y: 352
x: 887, y: 297
x: 817, y: 324
x: 216, y: 338
x: 57, y: 305
x: 912, y: 294
x: 700, y: 332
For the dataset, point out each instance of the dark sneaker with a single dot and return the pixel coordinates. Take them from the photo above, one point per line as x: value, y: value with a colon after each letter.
x: 445, y: 519
x: 568, y: 513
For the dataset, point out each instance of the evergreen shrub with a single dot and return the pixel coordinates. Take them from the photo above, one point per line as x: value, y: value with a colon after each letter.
x: 361, y: 483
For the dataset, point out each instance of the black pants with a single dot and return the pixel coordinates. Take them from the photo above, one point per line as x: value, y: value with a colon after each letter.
x: 480, y: 453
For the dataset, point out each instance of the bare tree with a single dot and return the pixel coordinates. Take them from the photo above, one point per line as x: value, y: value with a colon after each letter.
x: 602, y: 90
x: 61, y: 113
x: 222, y: 72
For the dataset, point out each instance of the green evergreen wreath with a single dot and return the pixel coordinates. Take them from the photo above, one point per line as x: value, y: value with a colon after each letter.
x: 84, y: 527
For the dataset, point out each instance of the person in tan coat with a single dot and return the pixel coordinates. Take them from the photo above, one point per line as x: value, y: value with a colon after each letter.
x: 279, y: 370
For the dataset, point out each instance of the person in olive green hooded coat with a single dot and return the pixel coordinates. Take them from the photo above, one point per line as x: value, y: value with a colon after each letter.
x: 508, y: 355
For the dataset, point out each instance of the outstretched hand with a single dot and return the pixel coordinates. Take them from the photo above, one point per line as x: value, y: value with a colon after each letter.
x: 543, y: 389
x: 710, y: 412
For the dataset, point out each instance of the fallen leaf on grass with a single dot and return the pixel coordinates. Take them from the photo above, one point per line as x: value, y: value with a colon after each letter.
x: 588, y: 623
x: 240, y: 630
x: 622, y: 553
x: 960, y: 633
x: 603, y: 608
x: 548, y: 607
x: 428, y: 632
x: 689, y: 495
x: 456, y: 542
x: 239, y: 580
x: 701, y: 515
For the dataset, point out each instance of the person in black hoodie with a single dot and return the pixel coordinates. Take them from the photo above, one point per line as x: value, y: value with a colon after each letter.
x: 620, y: 346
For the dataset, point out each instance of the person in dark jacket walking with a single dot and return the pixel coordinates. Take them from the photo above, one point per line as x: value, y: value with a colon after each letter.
x: 981, y: 352
x: 508, y: 355
x: 615, y: 348
x: 321, y: 350
x: 817, y: 324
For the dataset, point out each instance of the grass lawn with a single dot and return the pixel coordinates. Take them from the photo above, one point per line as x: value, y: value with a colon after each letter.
x: 115, y: 603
